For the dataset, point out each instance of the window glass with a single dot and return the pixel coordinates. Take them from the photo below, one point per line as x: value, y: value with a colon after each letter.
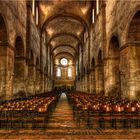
x: 33, y: 7
x: 92, y: 15
x: 58, y: 74
x: 69, y: 72
x: 64, y: 62
x: 37, y: 15
x: 97, y: 6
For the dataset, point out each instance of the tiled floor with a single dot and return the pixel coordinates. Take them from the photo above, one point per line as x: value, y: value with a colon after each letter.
x: 61, y: 126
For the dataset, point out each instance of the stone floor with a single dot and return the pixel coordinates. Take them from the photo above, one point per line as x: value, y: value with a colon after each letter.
x: 62, y: 127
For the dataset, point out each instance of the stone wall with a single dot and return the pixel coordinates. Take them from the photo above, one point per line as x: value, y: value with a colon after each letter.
x: 14, y: 15
x: 114, y: 19
x: 18, y: 23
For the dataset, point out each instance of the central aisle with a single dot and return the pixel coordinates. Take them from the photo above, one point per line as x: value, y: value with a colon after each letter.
x: 61, y: 126
x: 62, y: 116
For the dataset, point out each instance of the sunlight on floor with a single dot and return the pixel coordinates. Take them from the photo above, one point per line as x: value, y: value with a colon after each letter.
x: 63, y: 96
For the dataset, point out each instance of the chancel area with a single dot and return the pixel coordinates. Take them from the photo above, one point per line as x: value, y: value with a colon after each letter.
x: 69, y: 69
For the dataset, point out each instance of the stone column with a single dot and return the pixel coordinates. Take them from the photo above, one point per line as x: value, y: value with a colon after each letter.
x: 31, y: 79
x: 85, y: 83
x: 45, y: 83
x: 38, y: 81
x: 41, y: 86
x: 81, y: 86
x: 6, y: 71
x: 130, y: 70
x: 99, y: 76
x: 77, y: 85
x: 88, y: 83
x: 82, y: 81
x: 9, y: 73
x: 93, y: 81
x: 112, y: 76
x: 19, y: 76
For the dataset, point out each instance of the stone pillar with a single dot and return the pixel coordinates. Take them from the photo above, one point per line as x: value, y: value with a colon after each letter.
x: 77, y: 85
x: 88, y: 83
x: 49, y: 84
x: 19, y: 76
x: 31, y: 79
x: 41, y: 82
x: 82, y: 81
x: 99, y: 76
x: 85, y: 83
x: 38, y: 81
x: 81, y: 84
x: 112, y: 77
x: 9, y: 73
x: 130, y: 71
x: 45, y: 83
x: 6, y: 71
x: 93, y: 81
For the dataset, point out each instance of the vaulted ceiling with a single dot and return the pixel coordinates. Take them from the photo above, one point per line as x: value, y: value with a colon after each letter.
x: 65, y: 22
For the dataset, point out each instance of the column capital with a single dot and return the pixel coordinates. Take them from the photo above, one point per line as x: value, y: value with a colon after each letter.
x: 6, y: 44
x: 132, y: 44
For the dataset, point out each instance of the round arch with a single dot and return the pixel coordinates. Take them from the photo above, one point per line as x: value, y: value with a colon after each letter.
x: 113, y: 80
x: 99, y: 58
x: 93, y: 63
x: 37, y: 63
x: 133, y: 31
x: 113, y: 35
x: 31, y: 60
x: 64, y: 45
x: 65, y: 34
x: 130, y: 18
x: 82, y: 21
x: 133, y: 56
x: 113, y: 46
x: 19, y: 47
x: 61, y: 53
x: 3, y: 30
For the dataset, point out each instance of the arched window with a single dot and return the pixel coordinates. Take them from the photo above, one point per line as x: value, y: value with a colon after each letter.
x: 58, y: 73
x: 36, y: 19
x: 93, y: 15
x: 33, y: 7
x: 97, y: 7
x: 69, y: 72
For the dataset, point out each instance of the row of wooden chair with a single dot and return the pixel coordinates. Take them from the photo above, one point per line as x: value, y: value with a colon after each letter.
x: 31, y: 112
x: 104, y: 111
